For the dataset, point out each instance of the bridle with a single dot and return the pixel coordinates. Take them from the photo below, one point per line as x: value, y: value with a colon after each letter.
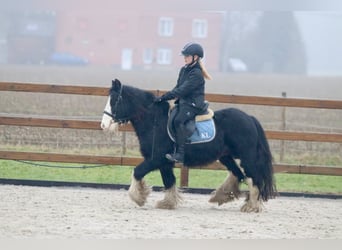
x: 113, y: 114
x: 109, y: 114
x: 126, y: 119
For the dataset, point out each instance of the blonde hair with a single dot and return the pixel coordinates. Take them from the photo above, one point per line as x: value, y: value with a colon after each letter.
x: 204, y: 70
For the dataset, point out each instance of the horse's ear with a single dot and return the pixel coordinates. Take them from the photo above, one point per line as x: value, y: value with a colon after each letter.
x: 116, y: 84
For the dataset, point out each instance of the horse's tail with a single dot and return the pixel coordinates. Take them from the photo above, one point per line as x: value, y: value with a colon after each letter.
x: 264, y: 179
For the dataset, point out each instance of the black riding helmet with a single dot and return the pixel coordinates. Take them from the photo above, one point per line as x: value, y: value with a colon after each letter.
x: 191, y: 49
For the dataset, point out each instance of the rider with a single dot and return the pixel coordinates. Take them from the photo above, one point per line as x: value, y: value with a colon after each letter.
x: 189, y: 95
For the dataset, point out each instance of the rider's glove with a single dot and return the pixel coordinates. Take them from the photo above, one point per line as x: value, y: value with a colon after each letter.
x: 167, y: 96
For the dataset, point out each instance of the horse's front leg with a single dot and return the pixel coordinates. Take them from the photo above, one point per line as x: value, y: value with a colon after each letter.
x: 139, y: 190
x: 172, y: 197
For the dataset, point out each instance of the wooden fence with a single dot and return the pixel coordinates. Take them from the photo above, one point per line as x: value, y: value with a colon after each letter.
x: 129, y: 161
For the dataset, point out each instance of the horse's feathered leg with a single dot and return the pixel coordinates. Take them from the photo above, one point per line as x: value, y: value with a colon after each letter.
x: 228, y: 191
x: 138, y: 191
x: 172, y: 196
x: 253, y: 202
x: 171, y: 200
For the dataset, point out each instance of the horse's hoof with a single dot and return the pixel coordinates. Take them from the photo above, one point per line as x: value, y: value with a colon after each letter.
x: 248, y: 207
x: 171, y: 200
x: 165, y: 204
x: 138, y: 192
x: 220, y: 197
x: 140, y: 201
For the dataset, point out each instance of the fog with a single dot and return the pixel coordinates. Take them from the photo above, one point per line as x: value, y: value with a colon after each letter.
x: 321, y: 32
x: 296, y: 38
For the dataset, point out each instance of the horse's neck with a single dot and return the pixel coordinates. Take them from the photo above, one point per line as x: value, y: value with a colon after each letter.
x: 147, y: 120
x: 142, y: 121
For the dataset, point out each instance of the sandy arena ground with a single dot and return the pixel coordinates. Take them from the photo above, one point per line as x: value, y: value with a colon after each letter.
x: 85, y: 213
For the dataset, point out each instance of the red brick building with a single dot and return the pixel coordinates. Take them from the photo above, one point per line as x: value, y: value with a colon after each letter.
x: 134, y: 39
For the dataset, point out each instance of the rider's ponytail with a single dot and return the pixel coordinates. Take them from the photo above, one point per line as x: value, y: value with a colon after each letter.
x: 204, y: 70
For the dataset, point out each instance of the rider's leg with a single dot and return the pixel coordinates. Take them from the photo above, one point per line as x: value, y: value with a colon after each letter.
x: 181, y: 138
x: 182, y: 133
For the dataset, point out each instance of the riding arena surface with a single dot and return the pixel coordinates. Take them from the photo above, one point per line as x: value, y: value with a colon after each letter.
x: 28, y: 212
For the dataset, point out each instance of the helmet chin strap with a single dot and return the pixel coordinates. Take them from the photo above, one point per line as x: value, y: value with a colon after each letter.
x: 193, y: 61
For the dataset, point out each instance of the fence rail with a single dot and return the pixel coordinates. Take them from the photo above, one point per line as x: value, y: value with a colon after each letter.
x: 235, y: 99
x: 133, y: 161
x: 95, y: 125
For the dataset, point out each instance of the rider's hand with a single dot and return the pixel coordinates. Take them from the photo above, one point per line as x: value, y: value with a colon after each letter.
x: 158, y: 100
x: 167, y: 96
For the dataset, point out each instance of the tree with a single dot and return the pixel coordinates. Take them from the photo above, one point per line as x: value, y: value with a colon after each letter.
x: 267, y: 42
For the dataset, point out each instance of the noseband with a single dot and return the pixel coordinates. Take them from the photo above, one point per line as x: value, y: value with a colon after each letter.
x: 109, y: 114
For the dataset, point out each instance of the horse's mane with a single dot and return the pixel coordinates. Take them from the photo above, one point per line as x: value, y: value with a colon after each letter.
x: 142, y: 100
x: 139, y: 95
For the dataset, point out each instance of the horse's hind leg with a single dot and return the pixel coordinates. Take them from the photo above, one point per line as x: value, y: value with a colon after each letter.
x: 253, y: 202
x: 229, y: 190
x: 172, y: 197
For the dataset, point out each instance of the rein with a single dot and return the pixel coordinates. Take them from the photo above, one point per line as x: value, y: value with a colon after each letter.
x: 154, y: 130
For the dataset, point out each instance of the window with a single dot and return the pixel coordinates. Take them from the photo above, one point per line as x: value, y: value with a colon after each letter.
x: 148, y: 56
x: 165, y: 26
x: 126, y: 59
x: 164, y: 56
x: 199, y: 28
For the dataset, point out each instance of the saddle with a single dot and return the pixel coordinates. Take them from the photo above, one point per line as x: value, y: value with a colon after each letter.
x: 201, y: 130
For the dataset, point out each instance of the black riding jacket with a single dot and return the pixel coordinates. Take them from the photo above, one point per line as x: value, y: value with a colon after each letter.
x: 190, y: 86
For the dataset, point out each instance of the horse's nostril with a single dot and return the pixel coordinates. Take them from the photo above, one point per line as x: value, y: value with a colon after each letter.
x: 102, y: 125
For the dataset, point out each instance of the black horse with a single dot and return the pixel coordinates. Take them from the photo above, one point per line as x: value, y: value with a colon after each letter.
x: 238, y: 136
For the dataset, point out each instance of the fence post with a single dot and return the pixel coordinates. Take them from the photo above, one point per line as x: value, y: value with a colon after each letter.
x: 184, y: 176
x: 123, y: 143
x: 283, y: 127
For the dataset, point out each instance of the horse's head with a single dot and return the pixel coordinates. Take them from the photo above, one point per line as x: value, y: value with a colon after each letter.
x: 109, y: 121
x: 116, y: 110
x: 125, y: 103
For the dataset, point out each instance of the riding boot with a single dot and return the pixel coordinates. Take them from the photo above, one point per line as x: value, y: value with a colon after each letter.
x: 178, y: 156
x: 181, y: 137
